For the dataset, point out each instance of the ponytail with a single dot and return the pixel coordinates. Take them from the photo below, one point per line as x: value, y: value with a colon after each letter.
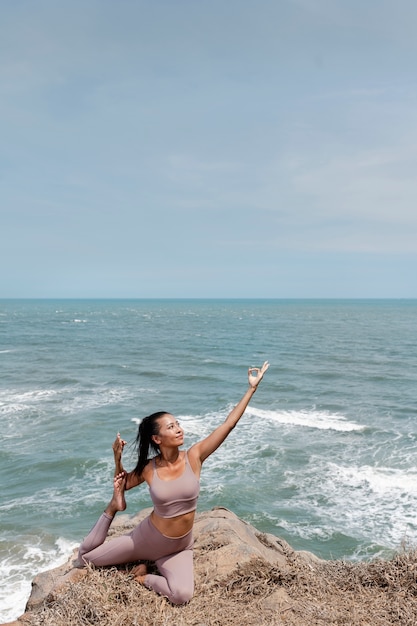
x: 147, y: 428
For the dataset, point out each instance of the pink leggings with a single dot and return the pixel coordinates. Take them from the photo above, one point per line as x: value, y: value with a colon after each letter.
x: 172, y: 556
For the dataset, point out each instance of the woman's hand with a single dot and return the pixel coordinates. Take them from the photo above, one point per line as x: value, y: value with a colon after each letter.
x: 118, y: 446
x: 255, y: 374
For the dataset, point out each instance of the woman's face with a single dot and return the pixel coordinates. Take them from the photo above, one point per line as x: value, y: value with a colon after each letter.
x: 170, y: 432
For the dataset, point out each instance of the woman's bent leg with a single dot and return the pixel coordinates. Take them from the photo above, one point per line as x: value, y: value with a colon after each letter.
x: 174, y: 559
x: 177, y: 577
x: 94, y: 542
x: 172, y: 556
x: 138, y: 545
x: 96, y: 536
x: 113, y: 552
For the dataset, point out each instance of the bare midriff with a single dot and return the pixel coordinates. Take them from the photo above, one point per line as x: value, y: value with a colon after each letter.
x: 173, y: 527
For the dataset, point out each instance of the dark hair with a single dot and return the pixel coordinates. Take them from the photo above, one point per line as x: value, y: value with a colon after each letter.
x: 147, y: 428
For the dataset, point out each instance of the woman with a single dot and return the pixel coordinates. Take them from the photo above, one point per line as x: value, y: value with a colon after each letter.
x: 165, y: 536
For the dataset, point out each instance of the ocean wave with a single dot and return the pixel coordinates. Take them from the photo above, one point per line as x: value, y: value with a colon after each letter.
x: 68, y: 399
x: 373, y: 505
x: 14, y: 402
x: 379, y: 480
x: 308, y: 419
x: 21, y: 562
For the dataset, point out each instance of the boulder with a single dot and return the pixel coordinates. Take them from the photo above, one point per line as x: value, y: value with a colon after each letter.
x: 226, y: 541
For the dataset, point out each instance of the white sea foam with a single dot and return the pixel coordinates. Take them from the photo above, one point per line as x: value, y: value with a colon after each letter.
x: 198, y: 425
x: 308, y: 419
x: 379, y: 480
x: 371, y: 504
x: 14, y: 402
x: 71, y: 399
x: 11, y: 396
x: 20, y: 564
x: 96, y: 398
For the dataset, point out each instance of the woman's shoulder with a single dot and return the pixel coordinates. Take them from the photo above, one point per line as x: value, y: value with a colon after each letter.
x: 148, y: 469
x: 151, y: 464
x: 191, y: 456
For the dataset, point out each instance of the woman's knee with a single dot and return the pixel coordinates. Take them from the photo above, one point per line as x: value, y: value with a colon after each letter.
x: 181, y: 595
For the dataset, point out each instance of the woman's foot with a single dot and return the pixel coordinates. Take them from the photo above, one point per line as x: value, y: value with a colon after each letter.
x: 139, y: 573
x: 118, y: 502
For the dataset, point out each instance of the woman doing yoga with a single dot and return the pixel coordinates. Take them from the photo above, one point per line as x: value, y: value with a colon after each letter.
x: 165, y: 536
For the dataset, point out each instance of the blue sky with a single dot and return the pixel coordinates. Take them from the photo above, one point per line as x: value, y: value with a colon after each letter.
x: 191, y: 148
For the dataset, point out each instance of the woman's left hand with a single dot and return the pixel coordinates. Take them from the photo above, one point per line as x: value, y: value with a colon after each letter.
x: 118, y: 446
x: 255, y: 374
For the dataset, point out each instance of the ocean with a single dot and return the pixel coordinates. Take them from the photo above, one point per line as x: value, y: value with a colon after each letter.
x: 325, y: 456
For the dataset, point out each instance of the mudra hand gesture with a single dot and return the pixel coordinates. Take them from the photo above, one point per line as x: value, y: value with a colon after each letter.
x: 255, y: 374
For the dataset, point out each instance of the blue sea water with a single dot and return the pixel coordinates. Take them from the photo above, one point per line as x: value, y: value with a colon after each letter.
x: 325, y: 456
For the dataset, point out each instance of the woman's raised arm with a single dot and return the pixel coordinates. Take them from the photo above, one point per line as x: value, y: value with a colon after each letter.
x: 202, y: 449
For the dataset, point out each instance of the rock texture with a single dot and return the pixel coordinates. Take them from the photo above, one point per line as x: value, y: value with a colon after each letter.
x: 222, y: 543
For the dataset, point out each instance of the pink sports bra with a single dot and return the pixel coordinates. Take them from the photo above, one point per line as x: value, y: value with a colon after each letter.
x: 175, y: 497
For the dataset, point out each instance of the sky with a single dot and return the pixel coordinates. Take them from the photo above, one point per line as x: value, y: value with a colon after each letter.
x: 208, y: 149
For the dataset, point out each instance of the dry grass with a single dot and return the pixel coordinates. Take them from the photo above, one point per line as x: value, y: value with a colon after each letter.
x: 326, y: 593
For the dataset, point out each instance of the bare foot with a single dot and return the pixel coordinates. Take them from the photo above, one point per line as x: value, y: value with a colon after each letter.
x: 118, y: 502
x: 139, y: 572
